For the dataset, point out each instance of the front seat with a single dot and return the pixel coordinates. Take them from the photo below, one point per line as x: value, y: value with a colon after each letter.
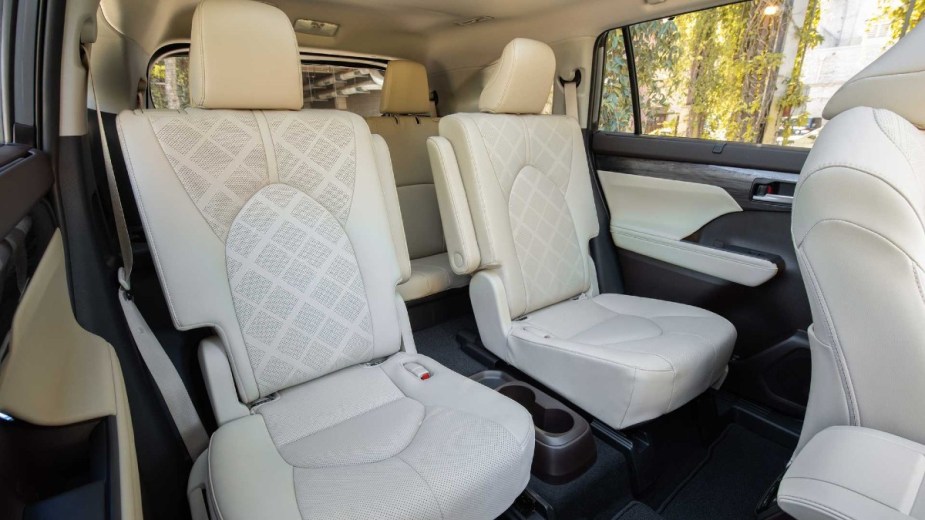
x: 268, y: 223
x: 859, y: 232
x: 515, y: 196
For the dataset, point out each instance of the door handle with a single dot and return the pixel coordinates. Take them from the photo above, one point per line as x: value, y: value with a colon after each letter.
x: 773, y: 191
x: 775, y: 198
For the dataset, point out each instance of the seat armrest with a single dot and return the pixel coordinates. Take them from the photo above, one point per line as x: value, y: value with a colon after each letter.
x: 392, y: 207
x: 458, y: 228
x: 849, y: 472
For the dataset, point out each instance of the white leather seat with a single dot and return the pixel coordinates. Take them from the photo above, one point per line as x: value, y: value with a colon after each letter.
x: 270, y: 224
x: 515, y: 196
x: 405, y: 125
x: 858, y: 229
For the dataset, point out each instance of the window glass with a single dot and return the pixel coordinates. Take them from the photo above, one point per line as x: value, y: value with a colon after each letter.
x: 616, y: 103
x: 356, y: 89
x: 755, y: 72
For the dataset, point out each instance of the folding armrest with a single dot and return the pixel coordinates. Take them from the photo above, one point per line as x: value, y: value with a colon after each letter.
x: 390, y: 194
x: 458, y: 229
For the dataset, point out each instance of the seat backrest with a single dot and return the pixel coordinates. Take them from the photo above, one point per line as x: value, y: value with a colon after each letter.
x: 405, y: 125
x: 265, y: 221
x: 527, y: 182
x: 859, y: 232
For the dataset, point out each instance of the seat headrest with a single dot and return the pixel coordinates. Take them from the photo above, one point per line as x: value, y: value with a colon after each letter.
x: 895, y: 81
x: 522, y: 79
x: 405, y: 89
x: 244, y: 55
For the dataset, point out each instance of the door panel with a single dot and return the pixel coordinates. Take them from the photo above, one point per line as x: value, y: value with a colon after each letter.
x: 694, y: 233
x: 654, y: 216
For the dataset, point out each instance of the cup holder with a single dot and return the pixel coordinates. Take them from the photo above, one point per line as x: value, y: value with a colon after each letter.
x: 564, y: 445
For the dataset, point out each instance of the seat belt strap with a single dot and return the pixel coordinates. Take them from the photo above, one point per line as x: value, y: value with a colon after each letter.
x: 165, y: 375
x: 168, y: 381
x: 571, y: 99
x: 125, y: 243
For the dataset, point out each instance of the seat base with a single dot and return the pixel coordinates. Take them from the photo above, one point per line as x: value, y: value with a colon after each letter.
x: 374, y: 442
x: 623, y: 359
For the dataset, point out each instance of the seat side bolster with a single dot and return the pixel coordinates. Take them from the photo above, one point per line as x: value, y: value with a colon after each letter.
x: 390, y: 194
x: 855, y: 472
x: 458, y: 228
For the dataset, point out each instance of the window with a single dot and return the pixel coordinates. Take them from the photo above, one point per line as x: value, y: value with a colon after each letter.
x: 344, y: 87
x: 759, y: 71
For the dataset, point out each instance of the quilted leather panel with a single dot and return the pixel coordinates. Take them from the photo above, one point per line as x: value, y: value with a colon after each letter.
x: 545, y: 240
x: 316, y: 154
x: 297, y: 289
x: 218, y: 156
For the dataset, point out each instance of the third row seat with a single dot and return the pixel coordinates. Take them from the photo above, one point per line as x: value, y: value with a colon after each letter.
x: 405, y: 125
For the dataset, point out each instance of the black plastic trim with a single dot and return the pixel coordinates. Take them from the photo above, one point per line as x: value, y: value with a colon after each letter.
x: 23, y: 183
x: 701, y: 151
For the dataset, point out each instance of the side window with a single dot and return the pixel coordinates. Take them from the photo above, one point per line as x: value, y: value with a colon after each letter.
x: 343, y: 87
x: 168, y: 82
x: 758, y: 71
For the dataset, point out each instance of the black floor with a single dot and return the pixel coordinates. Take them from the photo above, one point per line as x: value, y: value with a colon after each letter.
x: 731, y: 480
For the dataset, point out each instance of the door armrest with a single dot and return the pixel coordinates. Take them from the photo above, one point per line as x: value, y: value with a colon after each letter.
x: 849, y: 472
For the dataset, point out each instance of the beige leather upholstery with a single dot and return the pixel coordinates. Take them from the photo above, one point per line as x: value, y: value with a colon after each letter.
x: 404, y: 94
x: 522, y: 79
x: 228, y: 71
x: 405, y: 90
x: 855, y: 473
x: 893, y: 82
x: 858, y: 230
x: 273, y: 228
x: 528, y: 191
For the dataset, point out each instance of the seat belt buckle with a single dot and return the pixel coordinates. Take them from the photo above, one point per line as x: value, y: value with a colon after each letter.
x: 418, y: 371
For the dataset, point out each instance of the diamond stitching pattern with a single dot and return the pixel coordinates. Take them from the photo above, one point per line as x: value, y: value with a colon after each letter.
x: 545, y: 239
x: 506, y: 142
x: 303, y: 314
x: 317, y: 155
x: 219, y: 158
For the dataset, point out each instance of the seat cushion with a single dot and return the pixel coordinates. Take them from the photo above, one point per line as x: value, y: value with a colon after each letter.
x: 374, y: 442
x: 431, y: 275
x: 623, y: 359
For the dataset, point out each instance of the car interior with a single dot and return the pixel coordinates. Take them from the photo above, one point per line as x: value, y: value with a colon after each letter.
x: 532, y: 259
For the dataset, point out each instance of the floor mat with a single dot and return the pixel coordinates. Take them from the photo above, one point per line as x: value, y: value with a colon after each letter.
x: 439, y: 342
x: 637, y: 511
x: 731, y: 480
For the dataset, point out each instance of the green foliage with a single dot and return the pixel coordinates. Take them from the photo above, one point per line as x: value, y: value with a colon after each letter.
x: 616, y: 104
x: 169, y: 82
x: 794, y: 95
x: 896, y: 13
x: 709, y: 74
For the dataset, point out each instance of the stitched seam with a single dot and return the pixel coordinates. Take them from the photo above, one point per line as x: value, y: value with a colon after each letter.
x: 426, y: 483
x: 629, y: 403
x: 840, y: 363
x: 817, y: 505
x: 858, y: 169
x: 596, y: 358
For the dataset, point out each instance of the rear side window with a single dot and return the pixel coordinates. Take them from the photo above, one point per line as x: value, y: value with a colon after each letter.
x: 756, y: 72
x: 342, y: 87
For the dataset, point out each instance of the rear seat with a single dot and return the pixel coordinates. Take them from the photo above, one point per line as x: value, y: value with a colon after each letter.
x: 405, y: 125
x: 268, y: 223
